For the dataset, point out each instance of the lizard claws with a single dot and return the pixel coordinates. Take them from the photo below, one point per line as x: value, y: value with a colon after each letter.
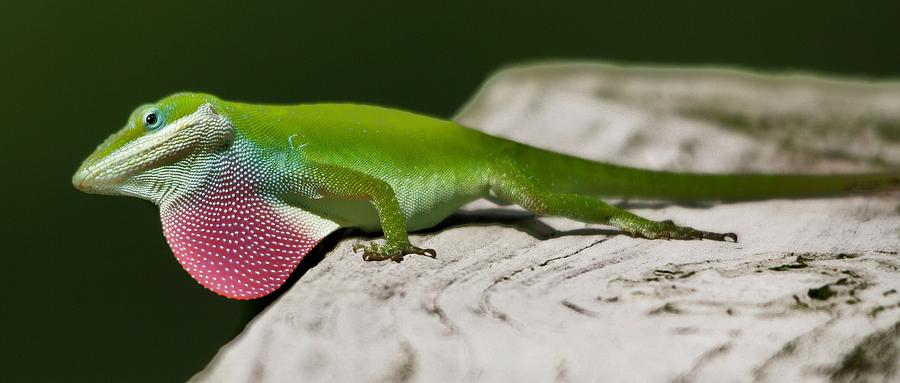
x: 669, y: 230
x: 376, y: 252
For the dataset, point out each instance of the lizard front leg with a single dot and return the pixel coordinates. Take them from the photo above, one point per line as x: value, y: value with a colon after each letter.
x: 338, y: 182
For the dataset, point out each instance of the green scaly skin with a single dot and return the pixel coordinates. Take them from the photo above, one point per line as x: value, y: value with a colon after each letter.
x: 322, y: 166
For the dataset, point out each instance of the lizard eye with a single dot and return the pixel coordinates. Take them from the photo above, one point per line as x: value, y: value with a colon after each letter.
x: 152, y: 119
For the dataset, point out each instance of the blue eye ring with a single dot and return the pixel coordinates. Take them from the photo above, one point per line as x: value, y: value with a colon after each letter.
x: 153, y: 119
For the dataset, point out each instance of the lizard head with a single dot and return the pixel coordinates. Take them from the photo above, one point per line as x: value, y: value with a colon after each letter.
x: 156, y: 148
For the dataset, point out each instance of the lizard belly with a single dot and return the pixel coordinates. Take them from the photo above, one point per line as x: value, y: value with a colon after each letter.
x: 423, y: 206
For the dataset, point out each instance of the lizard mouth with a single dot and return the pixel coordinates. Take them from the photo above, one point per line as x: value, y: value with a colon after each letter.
x: 88, y: 180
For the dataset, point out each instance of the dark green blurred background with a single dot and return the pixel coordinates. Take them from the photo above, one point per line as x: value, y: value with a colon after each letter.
x: 91, y: 291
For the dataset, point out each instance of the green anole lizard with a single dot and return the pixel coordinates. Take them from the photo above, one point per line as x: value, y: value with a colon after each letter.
x: 245, y: 191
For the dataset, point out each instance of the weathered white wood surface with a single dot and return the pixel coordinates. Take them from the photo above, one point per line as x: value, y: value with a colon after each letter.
x: 809, y: 294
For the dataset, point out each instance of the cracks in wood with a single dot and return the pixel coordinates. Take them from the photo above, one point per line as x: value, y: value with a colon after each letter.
x: 660, y: 274
x: 842, y: 291
x: 684, y: 330
x: 702, y: 362
x: 875, y: 358
x: 405, y: 368
x: 667, y: 308
x: 487, y: 307
x: 799, y: 263
x: 789, y: 350
x: 445, y: 321
x: 802, y: 260
x: 576, y: 252
x: 821, y: 293
x: 601, y: 299
x: 578, y: 309
x: 878, y: 310
x: 386, y: 291
x: 832, y: 296
x: 607, y: 260
x: 679, y: 274
x: 562, y: 372
x: 435, y: 309
x: 839, y: 295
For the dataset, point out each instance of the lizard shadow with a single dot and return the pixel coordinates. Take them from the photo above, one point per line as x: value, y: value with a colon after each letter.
x: 523, y: 221
x: 642, y: 204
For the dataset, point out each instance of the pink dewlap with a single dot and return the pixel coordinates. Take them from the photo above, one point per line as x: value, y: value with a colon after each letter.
x: 234, y: 243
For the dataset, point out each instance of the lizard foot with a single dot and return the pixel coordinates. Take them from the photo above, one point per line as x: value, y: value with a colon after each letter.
x: 669, y: 230
x: 376, y: 252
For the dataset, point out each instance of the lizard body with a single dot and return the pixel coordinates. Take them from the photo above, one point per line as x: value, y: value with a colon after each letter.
x: 245, y: 191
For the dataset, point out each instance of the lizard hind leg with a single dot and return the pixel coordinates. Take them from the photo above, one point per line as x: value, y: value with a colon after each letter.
x: 513, y: 186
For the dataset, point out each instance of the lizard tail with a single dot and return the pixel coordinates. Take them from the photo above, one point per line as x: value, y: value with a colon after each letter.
x: 567, y: 174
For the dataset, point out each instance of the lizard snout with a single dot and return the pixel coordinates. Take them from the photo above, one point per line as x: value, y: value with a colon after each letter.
x: 81, y: 181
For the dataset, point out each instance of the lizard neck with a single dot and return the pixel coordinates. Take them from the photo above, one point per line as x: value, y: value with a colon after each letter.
x: 231, y: 233
x: 236, y: 171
